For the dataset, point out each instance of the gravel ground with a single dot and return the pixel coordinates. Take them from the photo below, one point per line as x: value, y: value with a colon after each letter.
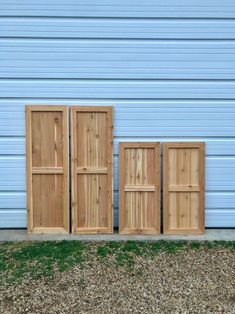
x: 188, y: 281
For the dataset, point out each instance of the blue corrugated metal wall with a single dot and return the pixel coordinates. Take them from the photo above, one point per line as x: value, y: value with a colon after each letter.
x: 167, y: 67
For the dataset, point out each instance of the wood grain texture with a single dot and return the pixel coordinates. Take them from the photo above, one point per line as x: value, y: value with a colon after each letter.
x: 92, y: 169
x: 47, y: 164
x: 183, y: 188
x: 139, y: 188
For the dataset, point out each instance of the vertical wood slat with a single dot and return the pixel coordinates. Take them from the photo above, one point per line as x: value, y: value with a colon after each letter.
x: 183, y: 187
x: 47, y: 166
x: 139, y: 188
x: 92, y: 169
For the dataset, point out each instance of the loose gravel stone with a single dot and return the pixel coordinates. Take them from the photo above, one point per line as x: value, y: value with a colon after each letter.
x: 189, y: 281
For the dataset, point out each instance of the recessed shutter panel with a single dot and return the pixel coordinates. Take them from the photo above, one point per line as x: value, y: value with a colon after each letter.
x: 92, y: 174
x: 184, y: 188
x: 139, y: 188
x: 47, y: 169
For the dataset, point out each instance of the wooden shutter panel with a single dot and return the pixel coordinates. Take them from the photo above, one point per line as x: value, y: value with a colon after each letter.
x: 184, y: 187
x: 92, y: 169
x: 139, y: 188
x: 47, y: 169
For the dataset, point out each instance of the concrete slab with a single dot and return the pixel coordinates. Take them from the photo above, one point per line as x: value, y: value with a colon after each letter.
x: 210, y: 235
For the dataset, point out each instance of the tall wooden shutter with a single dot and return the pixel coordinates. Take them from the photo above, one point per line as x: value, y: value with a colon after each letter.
x: 139, y: 188
x: 184, y: 176
x: 47, y: 169
x: 92, y: 174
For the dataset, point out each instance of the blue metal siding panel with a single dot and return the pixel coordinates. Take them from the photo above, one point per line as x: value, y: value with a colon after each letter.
x: 13, y: 219
x: 106, y: 28
x: 120, y: 8
x: 134, y: 118
x: 166, y: 66
x: 214, y: 146
x: 117, y: 89
x: 118, y: 59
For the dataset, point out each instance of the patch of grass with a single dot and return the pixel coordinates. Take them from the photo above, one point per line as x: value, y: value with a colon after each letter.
x: 42, y: 259
x: 103, y: 251
x: 138, y: 248
x: 195, y: 245
x: 220, y: 244
x: 114, y: 244
x: 170, y: 247
x: 123, y: 252
x: 39, y: 259
x: 3, y: 266
x: 124, y: 259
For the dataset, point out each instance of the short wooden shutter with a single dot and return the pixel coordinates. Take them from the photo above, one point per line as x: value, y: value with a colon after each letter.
x: 47, y: 169
x: 183, y: 176
x: 92, y: 169
x: 139, y: 188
